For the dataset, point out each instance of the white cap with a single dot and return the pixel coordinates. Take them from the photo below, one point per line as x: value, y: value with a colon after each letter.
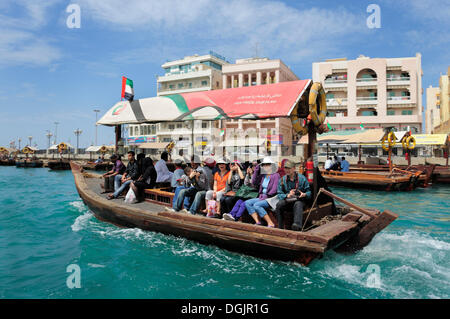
x: 267, y: 160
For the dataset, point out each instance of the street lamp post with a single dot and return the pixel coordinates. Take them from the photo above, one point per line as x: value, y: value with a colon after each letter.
x: 49, y: 136
x: 20, y: 140
x: 56, y: 132
x: 96, y: 113
x: 30, y: 138
x: 77, y: 133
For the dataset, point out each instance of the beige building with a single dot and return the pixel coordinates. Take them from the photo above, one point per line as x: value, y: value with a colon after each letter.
x: 432, y: 112
x: 259, y: 71
x: 190, y: 74
x: 374, y: 92
x: 444, y: 104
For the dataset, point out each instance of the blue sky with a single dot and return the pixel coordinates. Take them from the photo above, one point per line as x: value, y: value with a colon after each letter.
x: 50, y: 73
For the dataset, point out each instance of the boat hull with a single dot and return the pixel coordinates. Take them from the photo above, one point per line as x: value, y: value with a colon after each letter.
x: 258, y: 241
x: 29, y: 164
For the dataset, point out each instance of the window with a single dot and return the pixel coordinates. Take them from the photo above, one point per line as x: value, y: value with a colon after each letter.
x: 190, y: 84
x: 171, y: 126
x: 331, y: 114
x: 180, y: 85
x: 391, y: 112
x: 131, y: 131
x: 204, y: 124
x: 171, y: 86
x: 406, y: 112
x: 368, y: 113
x: 204, y: 83
x: 179, y: 125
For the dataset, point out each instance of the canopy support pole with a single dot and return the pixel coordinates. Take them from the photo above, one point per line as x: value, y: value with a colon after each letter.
x: 192, y: 138
x: 312, y: 137
x: 118, y: 130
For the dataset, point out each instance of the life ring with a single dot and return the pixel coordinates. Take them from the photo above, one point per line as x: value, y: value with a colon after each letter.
x: 391, y: 139
x: 103, y: 149
x: 299, y: 125
x: 404, y: 145
x: 3, y: 150
x: 410, y: 140
x: 317, y: 96
x: 62, y: 147
x: 385, y: 143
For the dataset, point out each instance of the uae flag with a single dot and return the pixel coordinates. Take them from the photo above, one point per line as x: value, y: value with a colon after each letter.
x: 127, y: 89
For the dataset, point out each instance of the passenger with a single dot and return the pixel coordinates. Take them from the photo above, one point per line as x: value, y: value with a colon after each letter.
x: 293, y: 191
x: 118, y: 168
x: 99, y: 160
x: 176, y: 177
x: 131, y: 174
x: 336, y: 166
x: 140, y: 162
x: 146, y: 180
x: 197, y: 191
x: 210, y: 164
x: 164, y: 175
x: 345, y: 165
x: 234, y: 183
x: 328, y: 164
x: 220, y: 184
x: 179, y: 182
x: 256, y: 207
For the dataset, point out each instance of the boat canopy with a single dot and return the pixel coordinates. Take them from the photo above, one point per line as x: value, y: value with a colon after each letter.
x: 55, y: 146
x: 94, y: 148
x: 253, y: 102
x: 154, y: 145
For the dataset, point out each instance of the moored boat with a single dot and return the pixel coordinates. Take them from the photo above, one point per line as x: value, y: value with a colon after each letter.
x: 58, y: 165
x: 8, y: 162
x: 105, y: 166
x: 29, y: 163
x: 351, y: 230
x: 379, y: 181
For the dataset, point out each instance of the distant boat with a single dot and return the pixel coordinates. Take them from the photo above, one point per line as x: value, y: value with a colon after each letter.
x: 29, y: 163
x: 59, y: 165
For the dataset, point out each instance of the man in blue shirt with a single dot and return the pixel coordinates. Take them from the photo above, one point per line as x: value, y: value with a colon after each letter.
x: 293, y: 191
x: 345, y: 165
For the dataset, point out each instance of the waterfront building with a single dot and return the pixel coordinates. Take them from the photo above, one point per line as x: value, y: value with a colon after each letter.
x: 190, y: 74
x: 260, y: 71
x: 444, y: 104
x: 432, y: 112
x: 374, y: 92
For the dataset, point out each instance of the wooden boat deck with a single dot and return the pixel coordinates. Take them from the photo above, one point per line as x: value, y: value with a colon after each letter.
x: 260, y: 241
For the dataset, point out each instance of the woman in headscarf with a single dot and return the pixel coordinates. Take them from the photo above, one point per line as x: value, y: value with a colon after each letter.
x: 146, y: 180
x: 281, y: 170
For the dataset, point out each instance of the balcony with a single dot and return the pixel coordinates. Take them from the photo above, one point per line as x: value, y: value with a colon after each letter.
x: 366, y: 81
x: 184, y: 89
x: 398, y: 81
x: 333, y: 83
x: 337, y: 103
x: 366, y: 100
x: 182, y: 75
x: 399, y: 100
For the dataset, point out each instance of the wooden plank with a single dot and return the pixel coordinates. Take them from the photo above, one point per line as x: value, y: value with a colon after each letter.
x: 333, y: 229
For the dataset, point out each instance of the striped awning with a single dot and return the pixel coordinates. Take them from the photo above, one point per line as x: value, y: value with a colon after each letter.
x: 253, y: 102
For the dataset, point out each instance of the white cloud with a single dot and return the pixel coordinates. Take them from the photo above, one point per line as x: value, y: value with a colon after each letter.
x: 234, y: 26
x: 20, y: 41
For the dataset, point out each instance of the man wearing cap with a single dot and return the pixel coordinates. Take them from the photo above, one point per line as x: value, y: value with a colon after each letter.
x: 293, y: 191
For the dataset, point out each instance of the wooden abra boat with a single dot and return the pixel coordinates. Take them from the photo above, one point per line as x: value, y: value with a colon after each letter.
x: 378, y: 181
x: 58, y: 165
x: 351, y: 230
x: 441, y: 174
x: 105, y: 166
x: 8, y: 162
x: 27, y: 163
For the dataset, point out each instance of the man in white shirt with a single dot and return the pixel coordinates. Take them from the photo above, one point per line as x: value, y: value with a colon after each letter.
x: 163, y: 173
x: 328, y: 164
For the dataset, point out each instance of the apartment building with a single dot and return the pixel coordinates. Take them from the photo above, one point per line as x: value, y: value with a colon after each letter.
x: 259, y: 71
x: 374, y: 92
x: 432, y: 112
x: 443, y: 100
x: 190, y: 74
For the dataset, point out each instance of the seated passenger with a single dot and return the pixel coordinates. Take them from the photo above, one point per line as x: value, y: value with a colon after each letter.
x: 234, y: 182
x: 293, y: 190
x: 256, y: 207
x: 244, y: 193
x: 146, y: 180
x: 131, y: 174
x: 220, y: 184
x: 328, y: 164
x: 164, y: 175
x: 345, y: 165
x: 98, y: 160
x: 181, y: 181
x: 176, y: 177
x: 118, y: 168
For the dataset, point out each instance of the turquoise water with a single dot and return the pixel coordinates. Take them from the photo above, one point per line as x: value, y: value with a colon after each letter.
x: 45, y: 227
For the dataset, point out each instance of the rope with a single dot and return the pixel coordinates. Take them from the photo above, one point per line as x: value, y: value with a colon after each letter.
x: 309, y: 213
